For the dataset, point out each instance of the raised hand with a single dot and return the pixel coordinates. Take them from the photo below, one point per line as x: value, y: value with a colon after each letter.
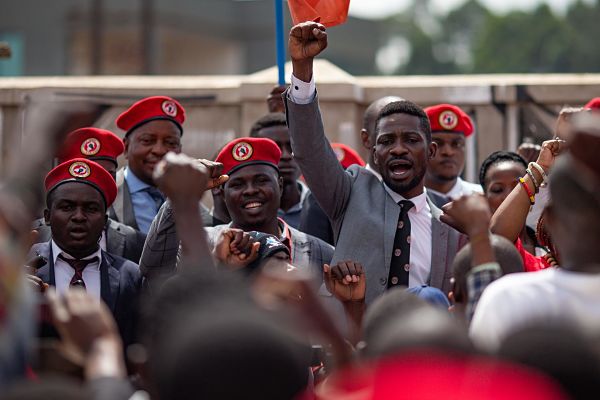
x: 346, y: 281
x: 81, y: 320
x: 306, y: 41
x: 236, y: 248
x: 179, y: 176
x: 468, y: 214
x: 550, y: 150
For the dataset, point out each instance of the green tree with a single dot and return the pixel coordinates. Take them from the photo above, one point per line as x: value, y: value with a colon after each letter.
x: 523, y: 42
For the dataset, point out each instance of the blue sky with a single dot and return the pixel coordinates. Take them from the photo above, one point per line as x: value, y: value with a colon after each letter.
x: 382, y: 8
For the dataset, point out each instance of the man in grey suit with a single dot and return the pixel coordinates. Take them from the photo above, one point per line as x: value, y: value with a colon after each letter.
x: 389, y: 226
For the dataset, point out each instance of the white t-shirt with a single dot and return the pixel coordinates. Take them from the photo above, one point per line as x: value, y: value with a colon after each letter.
x: 548, y: 296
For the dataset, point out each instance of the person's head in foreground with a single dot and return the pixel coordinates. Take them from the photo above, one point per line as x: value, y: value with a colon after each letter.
x: 506, y: 255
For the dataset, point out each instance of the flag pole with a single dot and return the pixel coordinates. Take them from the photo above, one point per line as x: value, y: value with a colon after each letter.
x: 279, y: 41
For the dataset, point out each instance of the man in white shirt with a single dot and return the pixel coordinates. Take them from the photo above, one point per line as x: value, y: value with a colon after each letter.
x: 450, y: 126
x: 387, y: 225
x: 568, y: 295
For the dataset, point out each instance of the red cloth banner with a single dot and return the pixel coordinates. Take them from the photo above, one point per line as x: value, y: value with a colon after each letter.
x: 328, y: 12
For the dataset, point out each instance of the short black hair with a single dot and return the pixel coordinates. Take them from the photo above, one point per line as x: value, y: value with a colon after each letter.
x: 506, y: 254
x: 496, y: 158
x: 405, y: 107
x: 267, y: 121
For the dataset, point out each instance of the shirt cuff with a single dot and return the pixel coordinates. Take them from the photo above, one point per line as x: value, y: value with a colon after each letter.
x: 302, y: 92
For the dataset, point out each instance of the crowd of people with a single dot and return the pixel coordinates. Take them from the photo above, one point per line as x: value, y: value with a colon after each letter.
x: 314, y: 274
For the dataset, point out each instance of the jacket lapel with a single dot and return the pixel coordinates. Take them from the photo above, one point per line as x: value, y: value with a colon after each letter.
x: 439, y: 246
x: 109, y: 282
x: 115, y: 239
x: 301, y: 253
x: 122, y: 206
x: 392, y: 213
x: 46, y: 273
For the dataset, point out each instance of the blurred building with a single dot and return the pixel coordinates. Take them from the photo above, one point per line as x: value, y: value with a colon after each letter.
x: 162, y: 37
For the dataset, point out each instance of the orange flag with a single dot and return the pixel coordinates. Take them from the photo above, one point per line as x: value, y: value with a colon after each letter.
x: 328, y: 12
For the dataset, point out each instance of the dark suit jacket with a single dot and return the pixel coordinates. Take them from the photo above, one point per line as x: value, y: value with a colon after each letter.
x: 314, y: 221
x: 120, y: 285
x: 363, y: 215
x: 121, y: 240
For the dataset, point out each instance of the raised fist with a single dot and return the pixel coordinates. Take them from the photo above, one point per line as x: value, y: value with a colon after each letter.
x: 306, y: 41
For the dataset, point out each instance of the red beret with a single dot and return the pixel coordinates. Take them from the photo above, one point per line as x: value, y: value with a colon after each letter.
x: 449, y: 118
x: 593, y: 104
x: 150, y: 109
x: 84, y: 171
x: 93, y: 144
x: 346, y: 155
x: 247, y: 151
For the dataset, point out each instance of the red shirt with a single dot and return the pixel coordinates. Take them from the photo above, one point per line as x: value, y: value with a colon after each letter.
x: 532, y: 263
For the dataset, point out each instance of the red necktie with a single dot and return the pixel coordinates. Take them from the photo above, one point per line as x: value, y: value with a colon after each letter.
x: 78, y: 266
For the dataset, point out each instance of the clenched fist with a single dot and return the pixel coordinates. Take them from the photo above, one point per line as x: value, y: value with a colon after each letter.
x: 306, y: 41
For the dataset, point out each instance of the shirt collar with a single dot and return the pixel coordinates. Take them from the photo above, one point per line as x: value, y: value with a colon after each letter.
x: 133, y: 182
x: 453, y: 193
x: 56, y: 251
x: 419, y: 201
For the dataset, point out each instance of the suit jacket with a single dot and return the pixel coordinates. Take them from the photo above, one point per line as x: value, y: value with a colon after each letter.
x: 363, y: 216
x: 121, y: 240
x: 159, y: 255
x: 122, y: 208
x: 314, y: 221
x: 120, y: 285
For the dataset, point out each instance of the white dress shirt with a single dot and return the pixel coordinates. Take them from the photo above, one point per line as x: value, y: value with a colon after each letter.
x: 302, y: 92
x: 63, y: 272
x: 460, y: 188
x: 420, y: 237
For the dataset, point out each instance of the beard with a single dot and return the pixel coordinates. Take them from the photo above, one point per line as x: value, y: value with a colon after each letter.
x: 403, y: 187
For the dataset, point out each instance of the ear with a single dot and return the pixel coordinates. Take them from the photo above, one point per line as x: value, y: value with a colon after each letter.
x: 365, y: 139
x: 280, y: 180
x: 47, y: 216
x: 126, y: 142
x: 432, y: 150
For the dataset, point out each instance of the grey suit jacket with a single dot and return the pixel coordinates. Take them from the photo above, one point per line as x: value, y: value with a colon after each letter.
x: 122, y: 208
x: 121, y: 240
x: 364, y: 217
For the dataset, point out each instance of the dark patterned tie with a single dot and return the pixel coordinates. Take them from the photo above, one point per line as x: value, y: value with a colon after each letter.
x: 400, y: 264
x: 156, y: 195
x: 78, y: 266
